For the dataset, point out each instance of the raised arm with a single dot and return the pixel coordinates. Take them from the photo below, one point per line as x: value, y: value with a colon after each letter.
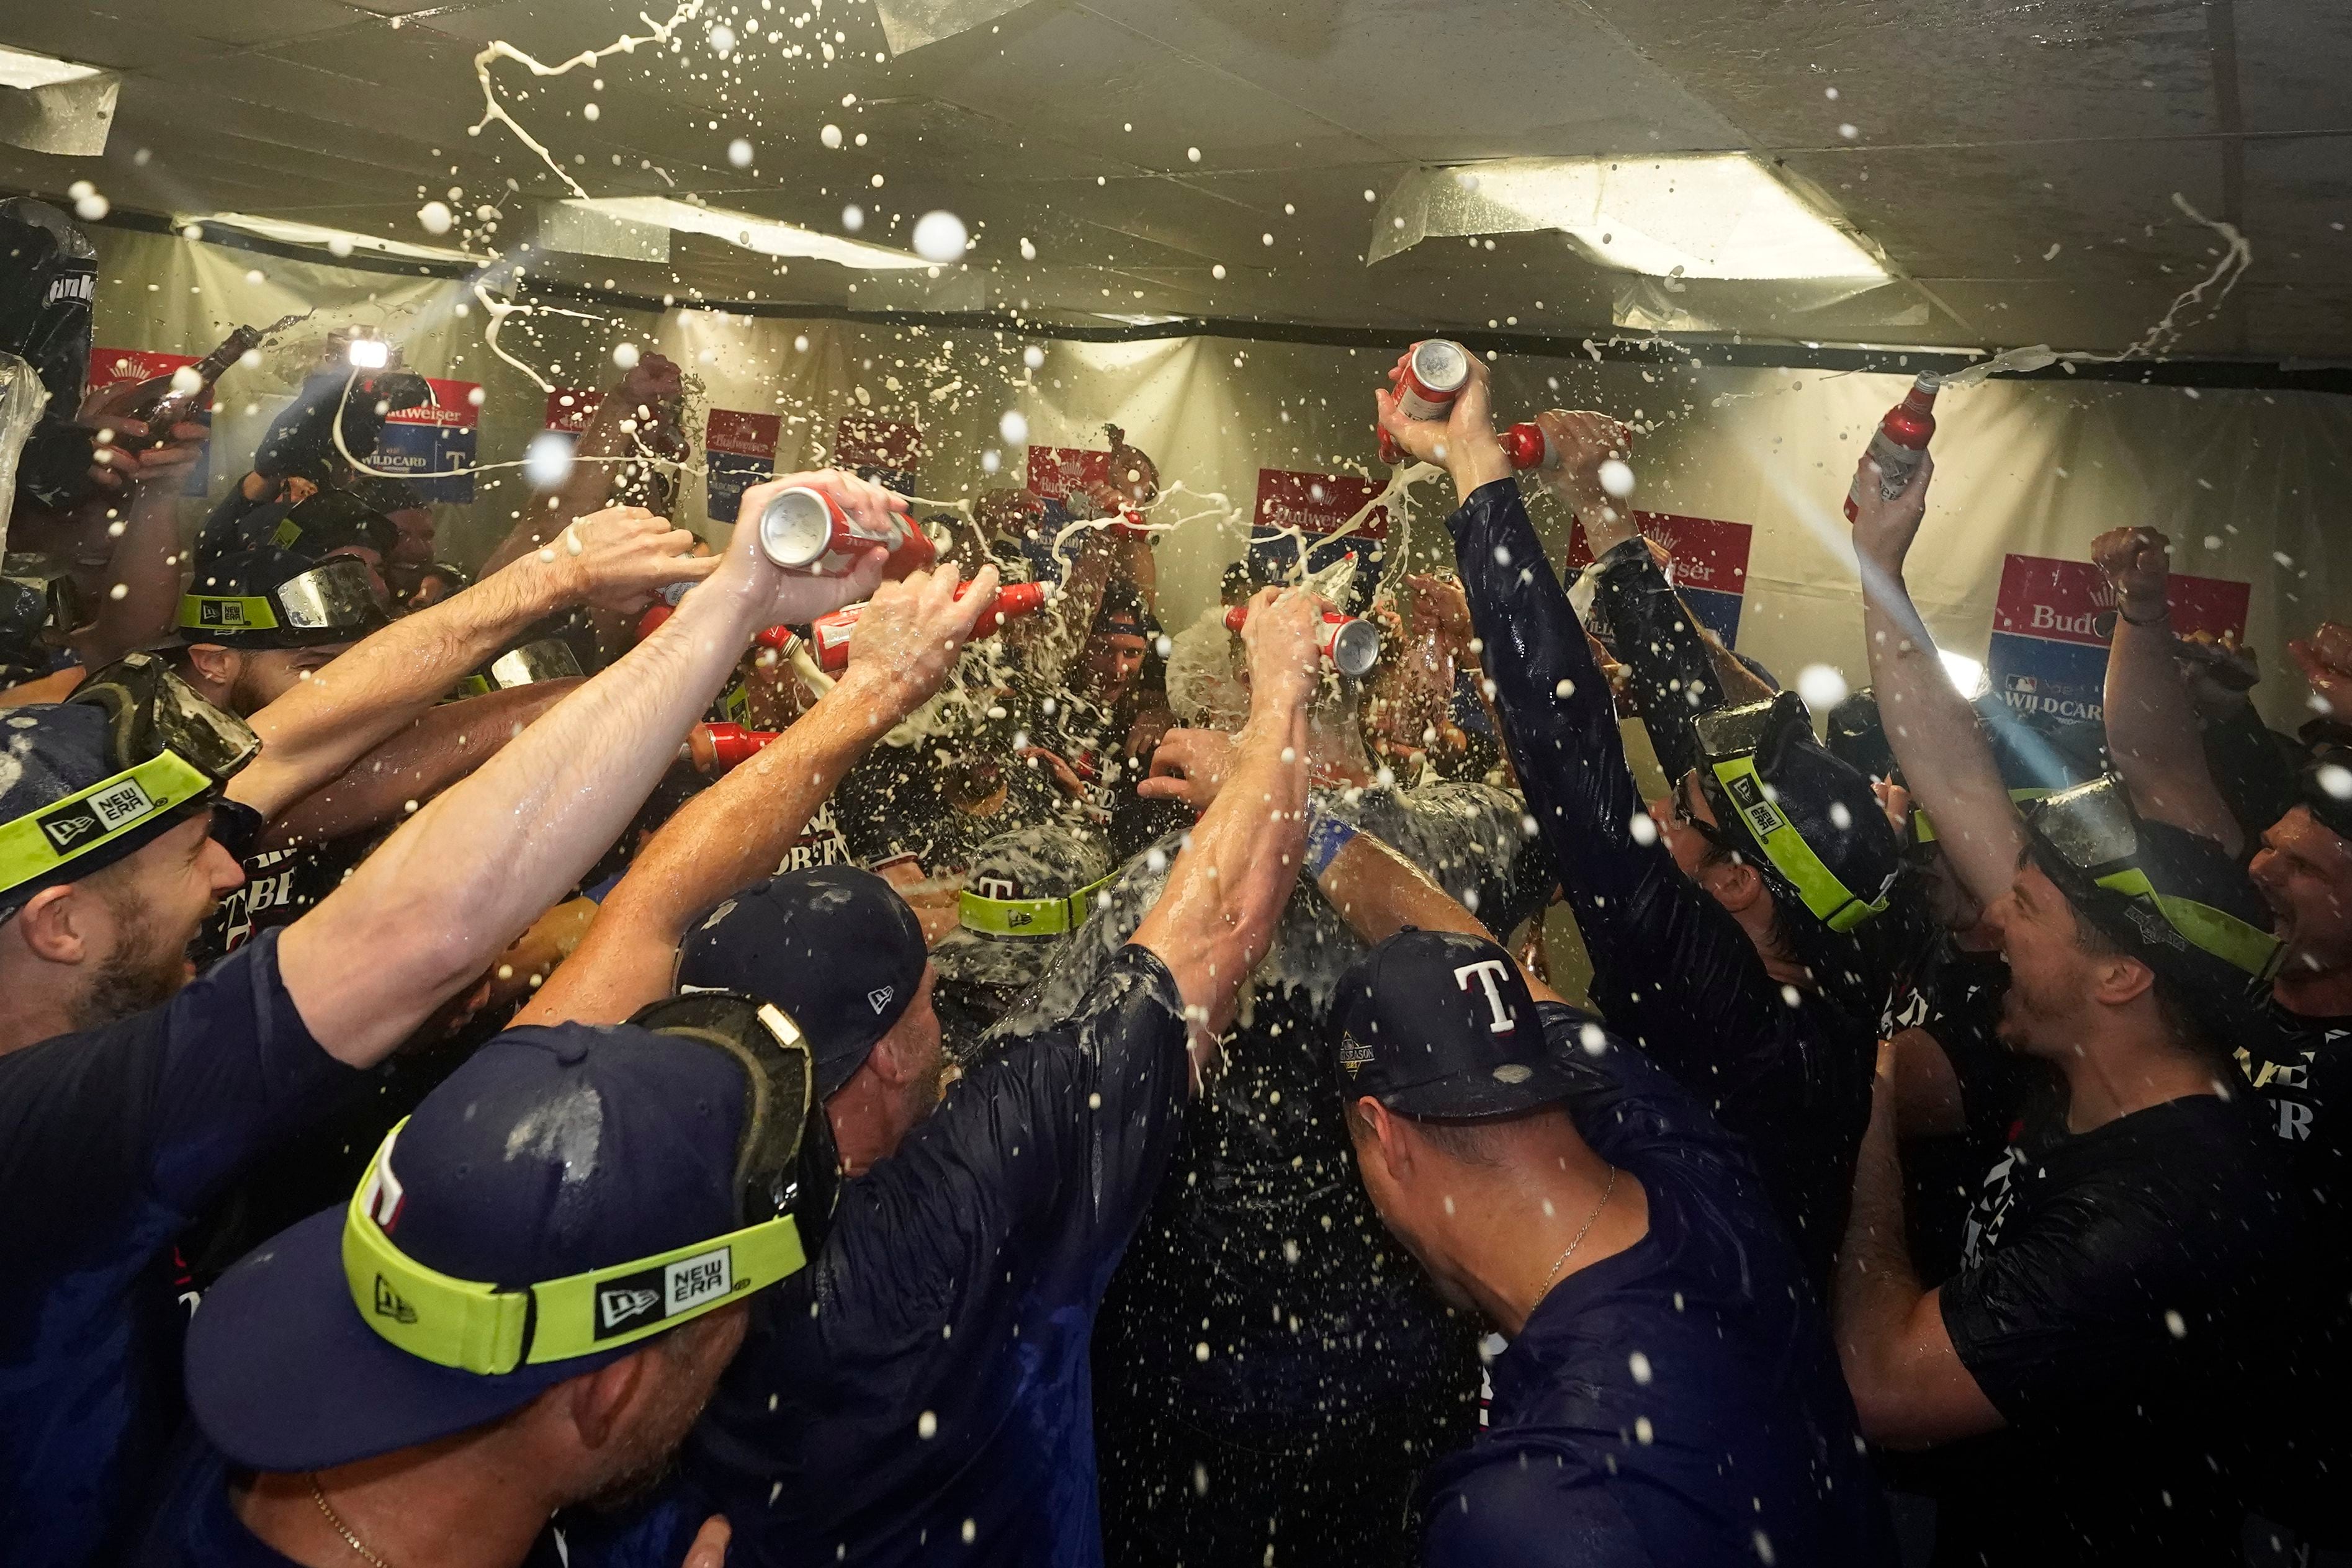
x: 453, y: 887
x: 2153, y: 730
x: 737, y: 832
x: 595, y: 459
x: 438, y: 749
x: 1946, y: 759
x: 141, y: 592
x: 1216, y: 917
x: 1379, y: 892
x: 320, y: 728
x: 1909, y: 1386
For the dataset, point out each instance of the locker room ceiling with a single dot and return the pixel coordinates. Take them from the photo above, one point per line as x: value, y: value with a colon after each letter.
x: 2016, y: 165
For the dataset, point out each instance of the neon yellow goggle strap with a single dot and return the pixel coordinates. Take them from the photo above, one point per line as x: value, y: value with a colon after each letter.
x: 1030, y: 916
x: 735, y: 706
x: 1831, y: 902
x: 286, y: 533
x: 206, y: 613
x: 482, y: 1328
x: 38, y: 843
x: 2215, y: 931
x: 1923, y: 827
x: 473, y: 686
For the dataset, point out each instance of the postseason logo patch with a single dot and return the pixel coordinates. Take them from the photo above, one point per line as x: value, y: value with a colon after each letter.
x: 637, y: 1300
x: 79, y: 822
x: 1354, y: 1054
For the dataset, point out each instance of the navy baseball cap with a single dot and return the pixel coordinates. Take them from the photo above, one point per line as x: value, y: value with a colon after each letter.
x: 552, y: 1152
x: 1436, y: 1023
x: 835, y: 946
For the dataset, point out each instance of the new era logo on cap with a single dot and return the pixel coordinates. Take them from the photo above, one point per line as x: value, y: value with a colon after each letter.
x: 1753, y: 806
x: 617, y: 1307
x: 77, y: 823
x: 879, y: 997
x: 653, y: 1295
x: 389, y: 1304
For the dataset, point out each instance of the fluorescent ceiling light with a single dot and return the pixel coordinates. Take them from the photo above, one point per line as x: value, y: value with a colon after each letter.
x: 21, y: 69
x: 338, y: 242
x: 911, y: 24
x: 1704, y: 216
x: 766, y: 235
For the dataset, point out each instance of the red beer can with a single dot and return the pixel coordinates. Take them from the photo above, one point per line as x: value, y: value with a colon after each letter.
x: 1349, y: 645
x: 801, y: 529
x: 1435, y: 374
x: 829, y: 635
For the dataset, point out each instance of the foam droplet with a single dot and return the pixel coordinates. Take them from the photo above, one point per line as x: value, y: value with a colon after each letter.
x: 939, y: 237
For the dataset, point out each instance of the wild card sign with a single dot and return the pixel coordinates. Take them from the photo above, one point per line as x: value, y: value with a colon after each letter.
x: 2051, y: 624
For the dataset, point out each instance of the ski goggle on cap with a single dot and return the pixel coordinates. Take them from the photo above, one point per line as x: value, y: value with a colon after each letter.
x: 39, y: 601
x: 272, y: 598
x: 784, y: 1175
x: 128, y: 756
x: 1812, y: 818
x: 2175, y: 899
x: 565, y: 1196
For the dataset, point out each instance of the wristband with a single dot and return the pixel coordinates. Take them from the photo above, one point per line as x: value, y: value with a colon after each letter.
x: 1326, y: 836
x: 2157, y: 619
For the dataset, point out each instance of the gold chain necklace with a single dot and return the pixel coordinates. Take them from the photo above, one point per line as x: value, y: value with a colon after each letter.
x: 351, y: 1537
x: 1557, y: 1264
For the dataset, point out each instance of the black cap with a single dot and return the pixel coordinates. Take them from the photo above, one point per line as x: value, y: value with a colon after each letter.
x: 272, y: 598
x: 52, y: 751
x: 1122, y: 614
x: 1799, y: 784
x: 2327, y: 788
x: 834, y: 947
x: 1435, y: 1023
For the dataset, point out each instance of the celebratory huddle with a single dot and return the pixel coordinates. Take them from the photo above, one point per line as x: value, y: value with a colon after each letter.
x: 556, y: 1064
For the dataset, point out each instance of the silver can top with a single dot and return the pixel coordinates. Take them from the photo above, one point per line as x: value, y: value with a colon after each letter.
x: 1355, y: 649
x: 796, y: 528
x: 1441, y: 364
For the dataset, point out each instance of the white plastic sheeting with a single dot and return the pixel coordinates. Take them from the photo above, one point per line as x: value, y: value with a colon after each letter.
x: 2251, y: 485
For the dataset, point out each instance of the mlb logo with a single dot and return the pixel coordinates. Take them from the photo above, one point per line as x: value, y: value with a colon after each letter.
x: 2026, y: 684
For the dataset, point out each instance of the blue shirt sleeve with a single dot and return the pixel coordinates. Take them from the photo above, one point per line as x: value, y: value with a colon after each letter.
x: 1049, y: 1150
x: 1530, y: 1509
x: 165, y: 1105
x: 239, y: 1070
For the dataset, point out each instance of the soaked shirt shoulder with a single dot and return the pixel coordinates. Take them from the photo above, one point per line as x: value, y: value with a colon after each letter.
x: 926, y: 1374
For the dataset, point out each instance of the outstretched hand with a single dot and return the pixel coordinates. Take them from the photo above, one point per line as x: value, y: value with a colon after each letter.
x: 911, y: 635
x: 1464, y: 443
x: 2326, y: 660
x: 1883, y: 530
x: 619, y: 557
x: 125, y: 451
x: 796, y: 598
x: 1582, y: 441
x: 1189, y: 766
x: 2138, y: 563
x: 1285, y: 663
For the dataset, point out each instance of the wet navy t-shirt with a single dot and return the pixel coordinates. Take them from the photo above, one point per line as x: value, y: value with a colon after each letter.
x: 110, y: 1141
x: 920, y: 1394
x: 1678, y: 1404
x: 2123, y: 1300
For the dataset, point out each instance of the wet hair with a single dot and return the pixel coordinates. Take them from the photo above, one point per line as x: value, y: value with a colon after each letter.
x: 2184, y: 1025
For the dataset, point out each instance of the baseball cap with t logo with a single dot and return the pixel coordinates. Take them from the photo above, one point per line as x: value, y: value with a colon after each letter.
x: 1436, y: 1023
